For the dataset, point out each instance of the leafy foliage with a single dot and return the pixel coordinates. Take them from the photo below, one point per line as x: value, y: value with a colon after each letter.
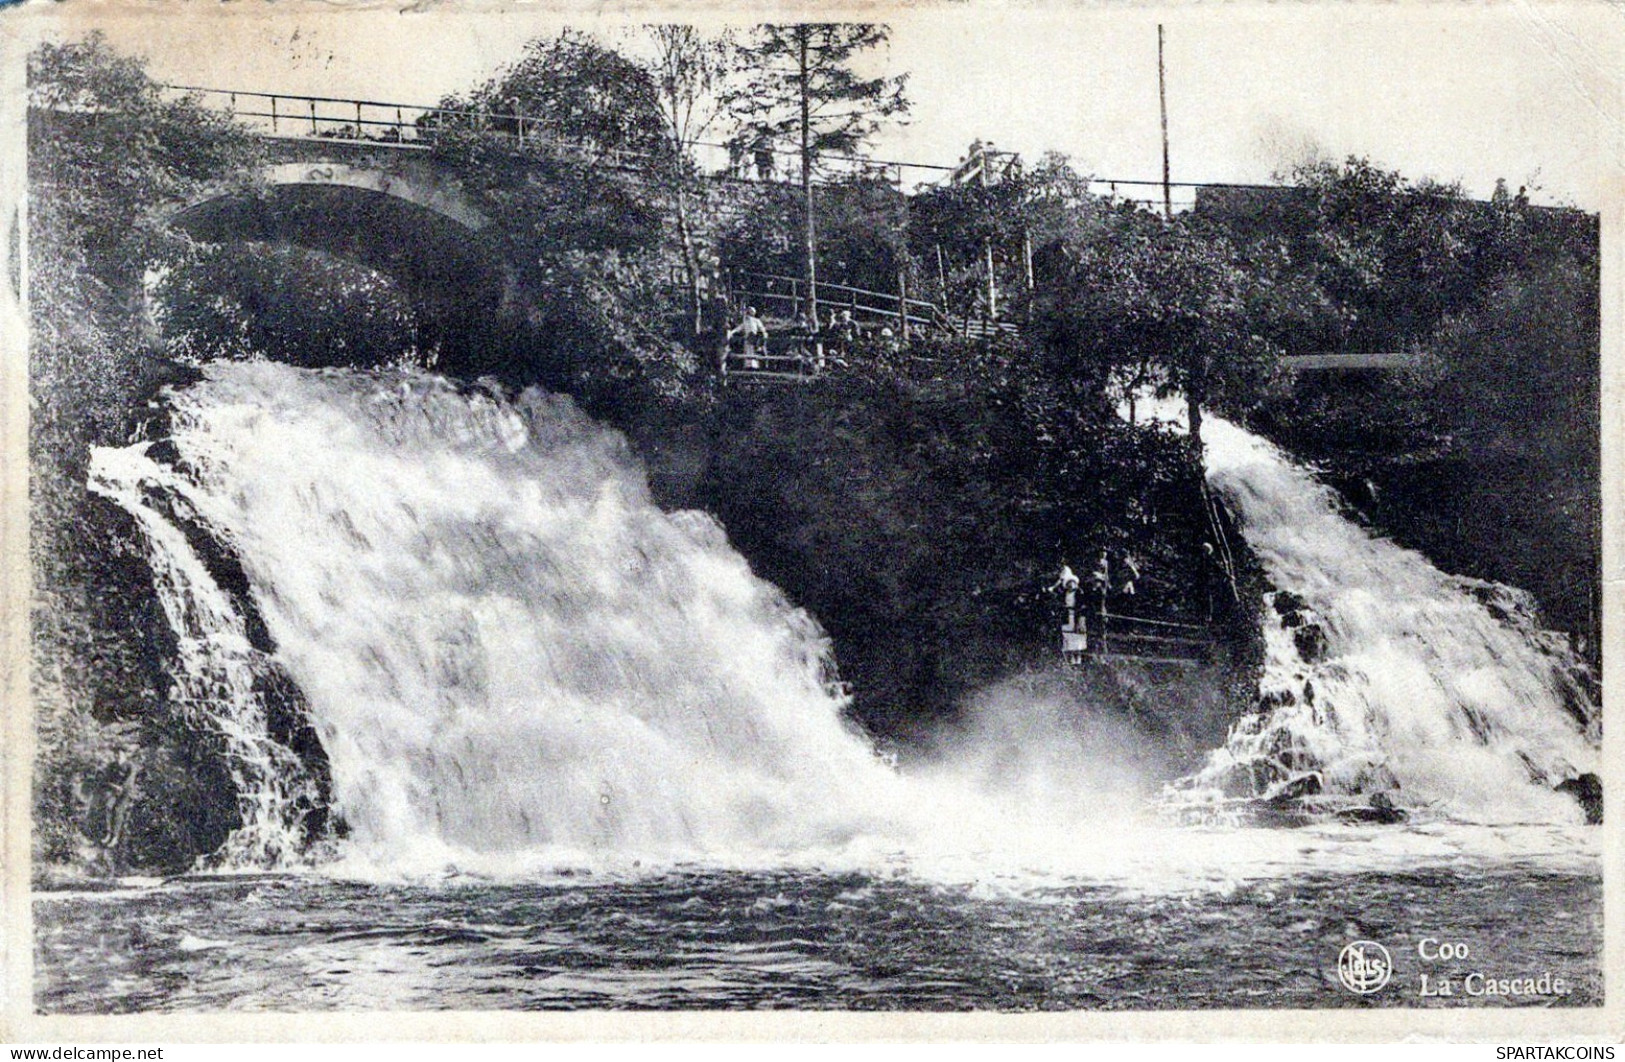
x: 578, y: 218
x: 1173, y: 303
x: 798, y: 87
x: 287, y: 303
x: 109, y: 155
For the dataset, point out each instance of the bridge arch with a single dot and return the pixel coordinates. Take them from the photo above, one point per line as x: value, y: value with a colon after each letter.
x: 418, y: 186
x: 400, y: 215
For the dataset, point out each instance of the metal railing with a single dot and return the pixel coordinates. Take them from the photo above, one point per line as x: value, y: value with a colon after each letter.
x: 790, y: 294
x: 391, y: 123
x: 1152, y: 640
x: 775, y: 291
x: 384, y: 124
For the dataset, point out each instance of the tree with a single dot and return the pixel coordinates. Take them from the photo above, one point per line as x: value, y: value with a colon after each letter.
x: 110, y: 156
x: 569, y: 93
x: 689, y: 71
x: 1174, y: 303
x: 1015, y: 224
x: 1390, y: 257
x: 798, y: 83
x: 558, y: 153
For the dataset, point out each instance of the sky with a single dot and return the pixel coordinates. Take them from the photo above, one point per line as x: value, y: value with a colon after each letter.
x: 1527, y: 91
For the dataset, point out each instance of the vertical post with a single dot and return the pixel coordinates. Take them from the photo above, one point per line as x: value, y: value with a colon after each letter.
x: 312, y: 117
x: 803, y: 40
x: 273, y: 114
x: 992, y: 285
x: 1162, y: 100
x: 360, y: 130
x: 985, y: 160
x: 902, y: 303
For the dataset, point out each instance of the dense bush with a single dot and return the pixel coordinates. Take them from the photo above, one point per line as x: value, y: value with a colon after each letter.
x: 108, y: 156
x: 922, y: 523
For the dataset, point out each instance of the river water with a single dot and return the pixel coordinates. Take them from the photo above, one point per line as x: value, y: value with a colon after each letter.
x: 585, y: 758
x: 691, y: 937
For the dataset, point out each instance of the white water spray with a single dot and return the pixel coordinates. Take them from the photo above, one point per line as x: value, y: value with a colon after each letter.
x: 513, y: 658
x: 1383, y: 674
x: 504, y: 644
x: 216, y: 670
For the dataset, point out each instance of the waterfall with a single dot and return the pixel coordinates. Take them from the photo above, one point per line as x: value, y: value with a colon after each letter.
x: 217, y: 670
x: 503, y: 643
x: 1383, y: 674
x: 506, y: 648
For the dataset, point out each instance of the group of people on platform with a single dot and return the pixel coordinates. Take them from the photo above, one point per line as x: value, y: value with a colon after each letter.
x: 810, y: 341
x: 1100, y: 588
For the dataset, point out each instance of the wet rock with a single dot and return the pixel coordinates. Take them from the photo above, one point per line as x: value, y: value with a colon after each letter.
x: 1379, y: 811
x: 1587, y: 790
x: 1276, y: 698
x: 1285, y: 603
x: 1310, y: 640
x: 1304, y: 785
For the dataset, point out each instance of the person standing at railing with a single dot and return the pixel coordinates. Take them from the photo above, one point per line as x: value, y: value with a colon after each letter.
x: 1074, y: 635
x: 753, y: 337
x: 809, y: 343
x: 1100, y: 585
x: 505, y: 117
x: 890, y: 345
x: 762, y: 155
x: 1131, y: 574
x: 846, y: 333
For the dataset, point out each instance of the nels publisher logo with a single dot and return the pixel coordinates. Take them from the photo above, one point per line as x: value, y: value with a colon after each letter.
x: 1364, y: 967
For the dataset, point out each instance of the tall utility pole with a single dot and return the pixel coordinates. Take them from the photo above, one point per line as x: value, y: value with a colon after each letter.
x: 1162, y: 99
x: 803, y: 32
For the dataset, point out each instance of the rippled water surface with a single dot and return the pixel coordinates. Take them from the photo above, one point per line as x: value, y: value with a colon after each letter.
x: 800, y: 939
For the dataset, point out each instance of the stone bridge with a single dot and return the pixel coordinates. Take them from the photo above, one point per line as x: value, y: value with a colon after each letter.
x: 357, y: 178
x: 391, y: 207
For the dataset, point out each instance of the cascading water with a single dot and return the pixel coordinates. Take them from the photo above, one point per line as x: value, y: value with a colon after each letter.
x: 505, y: 647
x: 217, y: 669
x: 1383, y: 674
x: 503, y: 643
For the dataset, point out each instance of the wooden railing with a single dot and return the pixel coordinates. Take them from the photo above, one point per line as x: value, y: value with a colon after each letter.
x: 772, y: 292
x: 789, y: 294
x: 786, y: 357
x: 1150, y: 640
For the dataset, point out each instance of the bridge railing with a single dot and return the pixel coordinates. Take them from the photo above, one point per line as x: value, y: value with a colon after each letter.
x: 325, y: 117
x: 378, y: 122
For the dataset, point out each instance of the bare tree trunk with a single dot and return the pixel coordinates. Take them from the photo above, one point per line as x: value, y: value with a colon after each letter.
x: 803, y: 32
x: 691, y: 262
x: 1193, y: 416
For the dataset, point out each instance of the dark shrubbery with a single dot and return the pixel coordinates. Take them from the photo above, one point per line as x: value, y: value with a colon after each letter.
x: 922, y: 522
